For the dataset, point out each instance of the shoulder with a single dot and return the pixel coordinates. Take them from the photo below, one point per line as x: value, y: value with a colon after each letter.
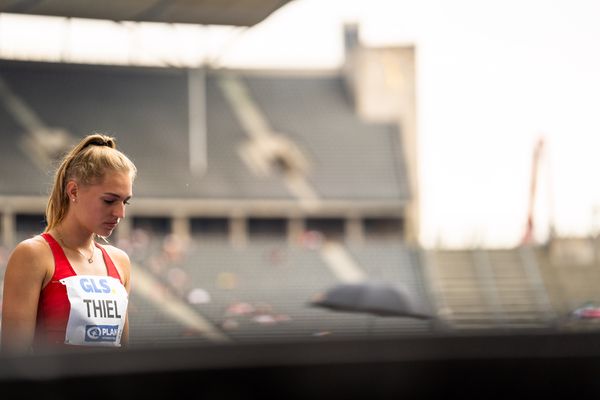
x: 30, y: 257
x: 116, y: 254
x: 31, y: 249
x: 121, y: 260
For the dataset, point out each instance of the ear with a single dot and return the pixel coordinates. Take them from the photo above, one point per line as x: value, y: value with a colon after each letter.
x: 72, y: 190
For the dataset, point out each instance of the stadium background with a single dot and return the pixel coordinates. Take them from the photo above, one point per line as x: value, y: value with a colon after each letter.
x: 258, y: 190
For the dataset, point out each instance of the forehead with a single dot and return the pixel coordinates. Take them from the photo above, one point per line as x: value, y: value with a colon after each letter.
x: 119, y: 183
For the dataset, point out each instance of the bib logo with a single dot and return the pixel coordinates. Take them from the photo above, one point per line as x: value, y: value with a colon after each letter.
x: 101, y: 333
x: 90, y: 285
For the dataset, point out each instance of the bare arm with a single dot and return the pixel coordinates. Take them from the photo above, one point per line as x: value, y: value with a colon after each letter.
x: 24, y: 278
x: 123, y: 265
x: 127, y: 282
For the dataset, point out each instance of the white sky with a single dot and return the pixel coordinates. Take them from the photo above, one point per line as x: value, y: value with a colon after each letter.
x: 492, y: 77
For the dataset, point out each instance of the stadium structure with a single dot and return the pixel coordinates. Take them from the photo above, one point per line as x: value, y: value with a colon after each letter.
x: 259, y: 189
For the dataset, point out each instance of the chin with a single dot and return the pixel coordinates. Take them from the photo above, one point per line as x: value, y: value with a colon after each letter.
x: 104, y: 233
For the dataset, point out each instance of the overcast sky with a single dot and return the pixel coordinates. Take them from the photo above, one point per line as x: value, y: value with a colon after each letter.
x: 493, y: 76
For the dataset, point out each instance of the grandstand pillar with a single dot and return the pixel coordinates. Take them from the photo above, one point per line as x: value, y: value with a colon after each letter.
x: 354, y: 229
x: 382, y: 82
x: 197, y: 121
x: 8, y: 228
x: 181, y: 227
x: 295, y: 228
x: 238, y: 232
x: 410, y: 143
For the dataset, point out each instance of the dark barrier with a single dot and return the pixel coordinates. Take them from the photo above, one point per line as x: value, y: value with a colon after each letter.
x: 498, y: 366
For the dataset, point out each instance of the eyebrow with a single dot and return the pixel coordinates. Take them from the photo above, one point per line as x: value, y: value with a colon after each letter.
x: 116, y: 195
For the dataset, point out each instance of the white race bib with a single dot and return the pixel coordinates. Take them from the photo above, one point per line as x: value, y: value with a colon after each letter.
x: 98, y: 310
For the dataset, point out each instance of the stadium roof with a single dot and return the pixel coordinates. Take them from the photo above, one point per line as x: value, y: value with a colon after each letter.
x: 203, y: 12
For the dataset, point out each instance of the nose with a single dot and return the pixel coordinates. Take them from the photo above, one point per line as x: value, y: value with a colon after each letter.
x: 119, y: 211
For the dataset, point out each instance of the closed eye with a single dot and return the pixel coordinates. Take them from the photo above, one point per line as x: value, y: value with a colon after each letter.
x: 112, y: 197
x: 126, y: 202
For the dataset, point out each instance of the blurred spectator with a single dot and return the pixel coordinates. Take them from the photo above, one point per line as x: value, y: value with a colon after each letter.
x: 175, y: 248
x: 137, y: 245
x: 198, y: 296
x: 276, y: 256
x: 227, y: 280
x: 178, y: 279
x: 261, y: 313
x: 312, y: 239
x: 230, y: 324
x: 240, y: 308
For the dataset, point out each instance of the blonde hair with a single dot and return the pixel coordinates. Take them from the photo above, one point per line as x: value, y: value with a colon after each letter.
x: 86, y: 163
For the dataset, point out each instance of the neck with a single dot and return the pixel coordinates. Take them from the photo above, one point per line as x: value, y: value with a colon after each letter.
x: 89, y: 253
x: 73, y: 236
x: 73, y: 241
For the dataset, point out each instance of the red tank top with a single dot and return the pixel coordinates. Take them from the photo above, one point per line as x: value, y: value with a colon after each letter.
x: 53, y: 306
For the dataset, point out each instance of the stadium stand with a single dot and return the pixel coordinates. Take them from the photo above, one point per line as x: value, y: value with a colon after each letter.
x: 352, y: 157
x: 497, y: 289
x: 136, y: 102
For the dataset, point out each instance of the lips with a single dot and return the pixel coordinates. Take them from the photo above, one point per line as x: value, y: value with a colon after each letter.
x: 111, y: 225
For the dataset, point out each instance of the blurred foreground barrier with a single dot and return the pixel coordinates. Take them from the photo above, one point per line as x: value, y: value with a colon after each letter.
x: 499, y: 365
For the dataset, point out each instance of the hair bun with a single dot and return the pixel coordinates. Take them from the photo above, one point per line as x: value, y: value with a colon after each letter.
x: 101, y: 140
